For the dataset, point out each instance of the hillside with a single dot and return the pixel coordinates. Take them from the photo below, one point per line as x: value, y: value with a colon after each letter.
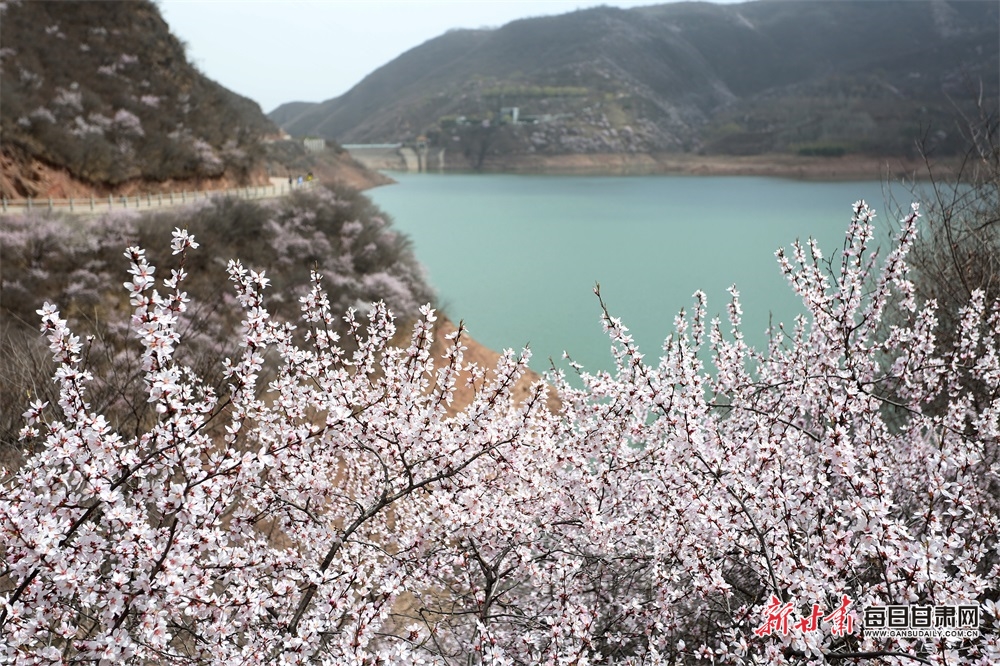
x: 812, y: 78
x: 100, y: 96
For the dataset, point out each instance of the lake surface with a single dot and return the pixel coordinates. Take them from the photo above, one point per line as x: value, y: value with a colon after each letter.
x: 517, y: 256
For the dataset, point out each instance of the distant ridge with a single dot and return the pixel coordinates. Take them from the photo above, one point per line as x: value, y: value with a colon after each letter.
x: 825, y: 77
x: 290, y: 112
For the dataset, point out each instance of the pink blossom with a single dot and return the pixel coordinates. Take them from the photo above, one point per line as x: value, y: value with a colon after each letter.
x: 337, y: 504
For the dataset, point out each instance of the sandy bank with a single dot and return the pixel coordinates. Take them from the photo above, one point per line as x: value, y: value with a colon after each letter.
x: 848, y: 167
x: 476, y: 353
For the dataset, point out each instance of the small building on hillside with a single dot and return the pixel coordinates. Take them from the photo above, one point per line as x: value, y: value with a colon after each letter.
x: 314, y: 145
x: 509, y: 114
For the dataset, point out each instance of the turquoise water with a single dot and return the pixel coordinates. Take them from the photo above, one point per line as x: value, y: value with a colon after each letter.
x: 517, y: 257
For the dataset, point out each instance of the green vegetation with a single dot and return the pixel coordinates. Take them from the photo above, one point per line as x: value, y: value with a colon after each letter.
x: 822, y: 150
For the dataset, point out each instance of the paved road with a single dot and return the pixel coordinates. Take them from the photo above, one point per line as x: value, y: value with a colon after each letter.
x: 279, y: 187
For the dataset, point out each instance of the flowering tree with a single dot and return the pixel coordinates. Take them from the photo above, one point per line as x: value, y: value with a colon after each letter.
x: 278, y: 540
x: 75, y: 264
x: 744, y: 512
x: 796, y: 480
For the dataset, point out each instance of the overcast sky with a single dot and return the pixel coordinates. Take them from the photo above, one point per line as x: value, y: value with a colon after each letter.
x: 277, y: 51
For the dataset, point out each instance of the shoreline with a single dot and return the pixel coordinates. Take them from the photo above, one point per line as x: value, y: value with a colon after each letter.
x: 845, y: 168
x: 795, y: 167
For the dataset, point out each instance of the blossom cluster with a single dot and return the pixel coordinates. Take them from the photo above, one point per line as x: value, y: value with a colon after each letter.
x: 349, y: 511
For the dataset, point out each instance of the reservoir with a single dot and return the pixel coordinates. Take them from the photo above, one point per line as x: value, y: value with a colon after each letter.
x: 517, y: 256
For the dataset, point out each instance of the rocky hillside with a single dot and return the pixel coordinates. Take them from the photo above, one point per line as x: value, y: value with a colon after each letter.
x: 827, y: 77
x: 100, y: 95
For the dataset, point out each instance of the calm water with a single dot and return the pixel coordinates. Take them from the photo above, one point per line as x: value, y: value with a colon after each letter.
x: 517, y: 257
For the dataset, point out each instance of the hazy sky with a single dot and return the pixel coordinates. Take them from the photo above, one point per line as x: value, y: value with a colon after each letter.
x: 277, y: 51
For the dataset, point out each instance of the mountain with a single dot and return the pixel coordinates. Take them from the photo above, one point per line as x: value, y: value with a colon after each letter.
x: 825, y: 77
x: 100, y: 95
x: 289, y: 111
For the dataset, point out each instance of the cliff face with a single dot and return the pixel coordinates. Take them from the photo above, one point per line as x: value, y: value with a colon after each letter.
x: 814, y: 78
x: 99, y: 96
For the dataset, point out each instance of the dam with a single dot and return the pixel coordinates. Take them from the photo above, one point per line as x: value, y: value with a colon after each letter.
x: 415, y: 157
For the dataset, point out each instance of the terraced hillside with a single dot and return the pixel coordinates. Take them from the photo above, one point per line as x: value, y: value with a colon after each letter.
x: 814, y: 78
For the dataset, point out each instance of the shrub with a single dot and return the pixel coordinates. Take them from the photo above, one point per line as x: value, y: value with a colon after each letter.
x: 958, y: 254
x: 73, y: 263
x: 822, y: 150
